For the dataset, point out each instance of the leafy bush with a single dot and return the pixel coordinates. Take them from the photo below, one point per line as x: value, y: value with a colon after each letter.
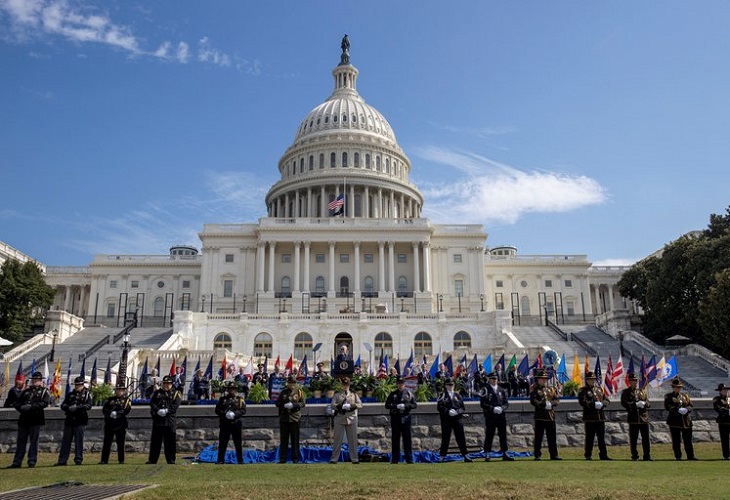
x: 570, y: 388
x: 424, y: 393
x: 258, y: 393
x: 100, y: 393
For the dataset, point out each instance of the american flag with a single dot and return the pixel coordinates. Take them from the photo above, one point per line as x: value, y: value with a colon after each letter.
x: 337, y: 203
x: 618, y: 374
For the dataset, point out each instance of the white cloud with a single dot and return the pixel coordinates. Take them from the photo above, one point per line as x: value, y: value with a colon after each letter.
x: 183, y: 52
x: 616, y: 262
x: 163, y: 50
x: 490, y: 192
x: 482, y: 132
x: 206, y: 53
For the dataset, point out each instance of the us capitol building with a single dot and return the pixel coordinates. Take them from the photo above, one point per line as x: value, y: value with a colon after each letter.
x: 343, y: 255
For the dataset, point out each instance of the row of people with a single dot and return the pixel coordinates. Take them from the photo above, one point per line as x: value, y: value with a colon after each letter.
x: 494, y: 402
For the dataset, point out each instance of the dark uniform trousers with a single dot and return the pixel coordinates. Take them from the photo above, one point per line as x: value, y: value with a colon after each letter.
x: 227, y: 432
x: 501, y: 427
x: 289, y: 431
x: 75, y: 432
x: 725, y: 440
x: 400, y: 425
x: 546, y: 427
x: 24, y: 433
x: 595, y: 430
x: 449, y: 424
x: 634, y: 431
x: 680, y: 435
x: 162, y: 433
x: 113, y: 434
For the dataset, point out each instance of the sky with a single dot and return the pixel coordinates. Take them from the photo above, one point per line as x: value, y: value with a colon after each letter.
x: 566, y: 127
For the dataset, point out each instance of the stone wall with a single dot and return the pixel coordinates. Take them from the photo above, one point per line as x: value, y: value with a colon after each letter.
x: 198, y: 427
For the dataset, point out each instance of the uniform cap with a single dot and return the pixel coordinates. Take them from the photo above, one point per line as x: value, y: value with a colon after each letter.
x: 633, y: 377
x: 722, y: 387
x: 37, y: 376
x: 590, y: 375
x: 492, y: 375
x: 79, y: 380
x: 677, y: 383
x: 167, y: 379
x: 540, y: 374
x: 448, y: 381
x: 291, y: 379
x: 400, y: 380
x: 231, y: 385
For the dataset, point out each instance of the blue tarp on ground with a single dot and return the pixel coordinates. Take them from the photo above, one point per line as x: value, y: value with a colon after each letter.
x: 322, y: 454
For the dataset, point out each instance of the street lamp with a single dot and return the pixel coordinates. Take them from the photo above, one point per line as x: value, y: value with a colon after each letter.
x: 244, y: 303
x: 54, y: 336
x: 401, y: 304
x: 441, y: 302
x: 122, y: 375
x: 202, y: 304
x: 481, y: 299
x: 370, y: 356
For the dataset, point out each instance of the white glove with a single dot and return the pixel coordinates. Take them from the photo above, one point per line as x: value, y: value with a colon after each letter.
x: 497, y: 410
x: 346, y: 406
x: 548, y: 405
x: 640, y: 405
x: 598, y: 405
x: 230, y: 415
x: 162, y: 412
x: 113, y: 414
x: 400, y: 406
x: 683, y: 411
x: 289, y: 405
x: 452, y: 412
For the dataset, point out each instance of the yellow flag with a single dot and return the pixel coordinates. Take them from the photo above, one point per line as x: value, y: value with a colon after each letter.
x: 576, y: 377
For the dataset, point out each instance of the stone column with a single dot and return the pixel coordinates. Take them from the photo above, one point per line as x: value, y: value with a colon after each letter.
x: 67, y: 299
x: 297, y: 248
x: 272, y: 252
x: 391, y: 265
x: 426, y: 266
x: 307, y: 245
x: 351, y: 201
x: 260, y: 251
x: 416, y: 271
x: 297, y: 212
x: 332, y: 267
x: 366, y: 203
x: 381, y: 266
x: 309, y: 202
x: 597, y: 290
x: 286, y: 206
x: 610, y: 297
x: 391, y: 212
x: 379, y: 213
x: 356, y: 287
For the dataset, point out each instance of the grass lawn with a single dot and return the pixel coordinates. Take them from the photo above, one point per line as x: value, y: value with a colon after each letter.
x: 571, y: 479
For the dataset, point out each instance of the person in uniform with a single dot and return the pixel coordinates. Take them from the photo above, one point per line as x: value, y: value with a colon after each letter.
x: 320, y: 374
x: 637, y: 407
x: 679, y: 420
x: 115, y: 410
x: 544, y: 399
x: 31, y: 405
x: 76, y: 405
x: 451, y: 411
x: 400, y: 402
x: 290, y: 403
x: 721, y: 405
x: 163, y: 407
x: 15, y: 391
x: 230, y: 409
x: 494, y: 402
x: 260, y: 377
x: 345, y: 404
x: 593, y: 401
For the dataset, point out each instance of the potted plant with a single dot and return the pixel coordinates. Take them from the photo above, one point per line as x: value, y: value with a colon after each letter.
x: 383, y: 389
x: 570, y: 388
x: 315, y: 385
x: 100, y: 393
x: 258, y: 393
x: 216, y: 387
x: 424, y: 393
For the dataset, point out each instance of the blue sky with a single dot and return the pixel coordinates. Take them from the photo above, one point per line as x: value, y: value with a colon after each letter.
x: 595, y: 128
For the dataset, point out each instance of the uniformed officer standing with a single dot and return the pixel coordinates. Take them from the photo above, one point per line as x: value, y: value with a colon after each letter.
x: 721, y: 404
x: 15, y: 391
x: 115, y: 410
x: 76, y: 405
x: 230, y: 409
x: 494, y: 402
x: 400, y: 402
x: 345, y: 404
x: 451, y: 411
x: 290, y: 403
x: 593, y: 401
x: 679, y: 420
x: 163, y: 407
x: 637, y: 406
x: 31, y: 405
x: 544, y: 399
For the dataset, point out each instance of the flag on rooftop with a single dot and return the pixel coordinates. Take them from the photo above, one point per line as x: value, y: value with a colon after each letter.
x: 335, y: 206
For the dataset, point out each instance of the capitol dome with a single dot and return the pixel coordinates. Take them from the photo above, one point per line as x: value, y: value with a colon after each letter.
x: 344, y: 161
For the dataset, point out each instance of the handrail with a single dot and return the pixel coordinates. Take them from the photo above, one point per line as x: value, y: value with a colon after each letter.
x: 94, y: 348
x: 556, y: 329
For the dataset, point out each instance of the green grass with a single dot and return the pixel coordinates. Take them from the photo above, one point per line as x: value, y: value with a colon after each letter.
x: 571, y: 479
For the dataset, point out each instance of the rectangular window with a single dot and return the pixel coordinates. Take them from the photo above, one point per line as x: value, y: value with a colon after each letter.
x: 459, y: 287
x: 344, y: 257
x: 568, y: 283
x: 499, y: 284
x: 368, y: 257
x: 402, y: 258
x: 286, y: 257
x: 229, y: 257
x: 228, y: 288
x: 548, y: 283
x: 186, y: 284
x: 571, y: 308
x: 457, y: 257
x: 135, y: 284
x: 319, y: 258
x: 110, y: 309
x: 113, y: 284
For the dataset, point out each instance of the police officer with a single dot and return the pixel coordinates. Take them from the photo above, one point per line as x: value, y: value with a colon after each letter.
x: 400, y: 402
x: 230, y: 409
x: 163, y: 407
x: 721, y: 404
x: 345, y: 404
x: 593, y: 401
x: 451, y: 411
x: 76, y: 405
x: 494, y: 402
x: 260, y: 377
x: 679, y: 420
x: 115, y: 410
x: 290, y: 403
x: 15, y: 391
x: 30, y: 404
x: 637, y: 406
x: 544, y: 399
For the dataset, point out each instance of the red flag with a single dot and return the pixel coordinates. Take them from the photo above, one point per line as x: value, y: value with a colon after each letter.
x: 172, y: 368
x: 618, y: 374
x: 278, y: 362
x: 608, y: 381
x: 289, y: 364
x: 224, y: 368
x: 539, y: 360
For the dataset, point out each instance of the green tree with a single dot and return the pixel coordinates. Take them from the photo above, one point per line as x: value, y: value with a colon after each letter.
x: 23, y: 296
x: 715, y: 313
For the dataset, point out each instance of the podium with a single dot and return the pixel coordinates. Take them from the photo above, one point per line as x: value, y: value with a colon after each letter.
x: 343, y: 368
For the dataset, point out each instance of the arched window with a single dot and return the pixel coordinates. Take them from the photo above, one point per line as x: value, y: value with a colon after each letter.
x: 356, y: 158
x: 319, y: 284
x: 462, y: 340
x: 333, y: 160
x: 387, y: 166
x: 422, y: 345
x: 525, y: 305
x: 285, y: 285
x: 402, y: 285
x: 311, y: 162
x: 303, y: 346
x: 383, y: 345
x: 368, y: 284
x: 358, y: 206
x: 377, y: 163
x: 344, y: 285
x: 344, y: 160
x: 263, y: 345
x: 367, y: 161
x: 321, y: 160
x: 222, y: 341
x: 159, y: 308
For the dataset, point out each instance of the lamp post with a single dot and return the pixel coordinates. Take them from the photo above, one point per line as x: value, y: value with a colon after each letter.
x: 401, y: 304
x: 370, y: 356
x: 481, y: 299
x: 441, y: 302
x: 202, y: 304
x: 54, y: 336
x: 122, y: 375
x: 244, y: 303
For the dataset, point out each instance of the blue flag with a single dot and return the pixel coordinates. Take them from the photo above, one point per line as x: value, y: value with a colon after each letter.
x: 449, y: 364
x: 108, y: 372
x: 597, y: 369
x: 185, y: 366
x: 670, y: 369
x: 397, y: 366
x: 197, y: 365
x: 32, y: 367
x: 266, y: 363
x: 642, y: 375
x: 562, y: 370
x: 357, y: 362
x: 651, y: 370
x: 385, y: 362
x: 157, y: 367
x: 488, y: 364
x: 500, y: 362
x: 630, y: 370
x: 208, y: 371
x: 94, y: 374
x: 524, y: 366
x: 409, y: 363
x: 83, y: 368
x: 473, y: 366
x: 303, y: 368
x: 68, y: 377
x: 434, y: 367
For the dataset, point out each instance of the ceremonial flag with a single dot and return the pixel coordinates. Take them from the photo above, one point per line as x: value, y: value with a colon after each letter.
x: 512, y: 362
x: 185, y: 365
x: 357, y: 362
x: 630, y: 370
x: 670, y: 368
x: 397, y: 365
x: 597, y: 369
x: 197, y: 366
x: 159, y: 371
x: 336, y: 206
x: 434, y: 367
x: 586, y: 366
x: 577, y: 375
x: 68, y: 377
x: 500, y: 362
x: 533, y: 366
x: 277, y: 363
x: 303, y: 369
x: 46, y: 375
x: 461, y: 366
x: 108, y: 372
x: 222, y: 370
x: 409, y: 363
x: 449, y: 364
x: 83, y: 368
x: 56, y: 383
x: 473, y: 366
x: 424, y: 361
x: 608, y: 382
x: 488, y: 364
x: 385, y: 362
x: 618, y: 374
x: 659, y: 373
x: 209, y: 370
x: 94, y: 374
x: 524, y: 366
x: 289, y: 365
x: 651, y: 370
x: 539, y: 360
x: 266, y: 363
x: 19, y: 371
x: 562, y: 370
x: 32, y: 367
x: 249, y: 369
x: 642, y: 375
x: 173, y: 368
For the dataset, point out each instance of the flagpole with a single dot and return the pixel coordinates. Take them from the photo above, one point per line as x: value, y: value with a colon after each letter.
x: 344, y: 196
